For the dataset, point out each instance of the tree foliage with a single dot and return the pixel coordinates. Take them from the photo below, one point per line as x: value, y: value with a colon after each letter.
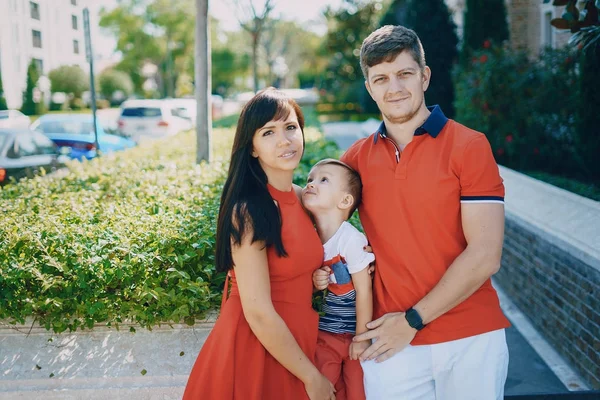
x: 585, y: 25
x: 431, y: 20
x: 69, y: 79
x: 31, y: 107
x: 111, y: 81
x: 159, y: 32
x: 484, y: 20
x: 348, y: 25
x: 254, y: 21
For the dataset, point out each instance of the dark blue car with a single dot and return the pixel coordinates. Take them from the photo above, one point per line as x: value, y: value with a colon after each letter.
x: 76, y: 131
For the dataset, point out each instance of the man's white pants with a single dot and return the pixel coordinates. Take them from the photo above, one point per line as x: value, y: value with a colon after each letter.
x: 473, y: 368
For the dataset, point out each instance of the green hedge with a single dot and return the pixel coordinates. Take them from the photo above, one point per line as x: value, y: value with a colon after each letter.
x: 128, y: 237
x: 530, y: 110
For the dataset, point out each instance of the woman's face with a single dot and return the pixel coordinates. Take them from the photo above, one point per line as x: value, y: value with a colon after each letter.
x: 278, y: 144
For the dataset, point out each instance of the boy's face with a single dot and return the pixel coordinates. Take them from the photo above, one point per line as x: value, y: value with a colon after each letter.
x: 398, y: 87
x: 325, y: 189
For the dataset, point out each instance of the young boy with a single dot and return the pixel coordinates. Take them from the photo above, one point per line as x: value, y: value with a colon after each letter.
x: 331, y: 195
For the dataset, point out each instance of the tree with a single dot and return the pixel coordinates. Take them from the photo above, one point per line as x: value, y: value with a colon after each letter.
x: 289, y: 41
x: 255, y: 26
x: 396, y: 14
x: 484, y: 20
x: 3, y: 105
x: 155, y: 32
x: 175, y: 18
x: 227, y: 65
x: 111, y: 81
x: 347, y: 27
x: 69, y: 79
x: 30, y: 105
x: 431, y: 20
x: 585, y: 26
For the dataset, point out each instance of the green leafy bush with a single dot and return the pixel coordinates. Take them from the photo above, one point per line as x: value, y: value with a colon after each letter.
x: 126, y: 237
x: 528, y: 109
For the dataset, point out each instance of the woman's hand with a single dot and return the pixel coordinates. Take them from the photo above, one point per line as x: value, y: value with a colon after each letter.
x: 321, y: 278
x: 319, y: 388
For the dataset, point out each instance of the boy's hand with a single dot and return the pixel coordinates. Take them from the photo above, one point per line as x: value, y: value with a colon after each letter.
x: 357, y: 348
x: 321, y: 278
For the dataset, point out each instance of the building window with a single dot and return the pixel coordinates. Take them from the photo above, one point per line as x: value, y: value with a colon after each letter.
x: 76, y: 46
x: 74, y: 2
x: 547, y: 32
x: 34, y: 10
x: 40, y: 65
x: 37, y: 38
x: 74, y: 21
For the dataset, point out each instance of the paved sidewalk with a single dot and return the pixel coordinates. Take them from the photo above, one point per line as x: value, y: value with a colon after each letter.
x: 98, y: 365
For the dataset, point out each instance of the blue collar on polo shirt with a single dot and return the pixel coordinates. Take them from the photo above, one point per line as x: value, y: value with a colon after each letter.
x: 433, y: 125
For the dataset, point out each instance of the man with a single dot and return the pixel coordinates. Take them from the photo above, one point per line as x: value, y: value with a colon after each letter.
x: 433, y: 211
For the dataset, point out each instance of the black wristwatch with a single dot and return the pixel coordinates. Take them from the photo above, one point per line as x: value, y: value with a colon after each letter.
x: 414, y: 319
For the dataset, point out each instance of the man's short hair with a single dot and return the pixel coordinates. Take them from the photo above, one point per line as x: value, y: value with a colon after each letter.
x: 353, y: 182
x: 384, y: 45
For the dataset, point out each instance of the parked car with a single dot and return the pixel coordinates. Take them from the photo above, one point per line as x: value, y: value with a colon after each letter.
x: 185, y: 108
x: 23, y: 153
x: 14, y: 119
x: 150, y: 119
x: 76, y: 131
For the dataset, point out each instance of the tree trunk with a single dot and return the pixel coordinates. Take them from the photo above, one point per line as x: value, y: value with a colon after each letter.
x: 203, y: 84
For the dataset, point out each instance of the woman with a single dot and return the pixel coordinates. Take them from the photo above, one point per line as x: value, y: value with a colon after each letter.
x: 263, y: 343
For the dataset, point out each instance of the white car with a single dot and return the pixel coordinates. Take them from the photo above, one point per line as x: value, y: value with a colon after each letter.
x: 14, y: 119
x: 185, y: 108
x: 150, y: 119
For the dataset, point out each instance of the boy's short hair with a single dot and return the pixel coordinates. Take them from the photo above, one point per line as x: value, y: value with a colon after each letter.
x: 353, y: 183
x: 384, y: 45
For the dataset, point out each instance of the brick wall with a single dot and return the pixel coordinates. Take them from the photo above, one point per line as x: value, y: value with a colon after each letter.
x: 559, y: 294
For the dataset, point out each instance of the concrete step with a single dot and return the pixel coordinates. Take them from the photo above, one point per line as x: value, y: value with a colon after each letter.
x: 99, y: 364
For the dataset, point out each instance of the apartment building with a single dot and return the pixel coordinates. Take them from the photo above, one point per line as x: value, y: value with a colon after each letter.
x: 528, y: 24
x: 50, y: 32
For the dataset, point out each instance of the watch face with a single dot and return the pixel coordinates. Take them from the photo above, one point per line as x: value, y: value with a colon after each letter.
x: 414, y: 319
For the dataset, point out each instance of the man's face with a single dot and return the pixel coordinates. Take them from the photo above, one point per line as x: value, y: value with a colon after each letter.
x: 398, y: 87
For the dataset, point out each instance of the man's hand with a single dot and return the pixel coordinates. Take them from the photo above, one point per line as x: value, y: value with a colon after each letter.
x: 391, y: 333
x: 321, y: 278
x: 357, y: 348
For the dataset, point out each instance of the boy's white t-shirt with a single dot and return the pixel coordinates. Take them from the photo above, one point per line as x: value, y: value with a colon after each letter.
x: 348, y: 242
x: 346, y: 245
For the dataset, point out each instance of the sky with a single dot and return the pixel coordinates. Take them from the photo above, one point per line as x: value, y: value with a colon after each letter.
x: 307, y: 12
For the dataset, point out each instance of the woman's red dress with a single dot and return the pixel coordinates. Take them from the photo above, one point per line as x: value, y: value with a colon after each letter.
x: 233, y: 364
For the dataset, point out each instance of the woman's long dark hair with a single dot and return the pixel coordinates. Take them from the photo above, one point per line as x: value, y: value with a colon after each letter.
x: 246, y: 202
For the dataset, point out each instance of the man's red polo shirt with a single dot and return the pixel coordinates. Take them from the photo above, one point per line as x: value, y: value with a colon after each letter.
x: 411, y: 215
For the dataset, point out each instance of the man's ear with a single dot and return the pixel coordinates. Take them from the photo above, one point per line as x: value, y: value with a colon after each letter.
x: 369, y: 89
x: 346, y: 202
x: 426, y: 77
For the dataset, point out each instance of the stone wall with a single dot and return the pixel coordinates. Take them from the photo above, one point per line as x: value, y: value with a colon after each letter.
x: 551, y: 269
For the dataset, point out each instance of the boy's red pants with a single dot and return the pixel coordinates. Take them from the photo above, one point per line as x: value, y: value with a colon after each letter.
x: 333, y: 360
